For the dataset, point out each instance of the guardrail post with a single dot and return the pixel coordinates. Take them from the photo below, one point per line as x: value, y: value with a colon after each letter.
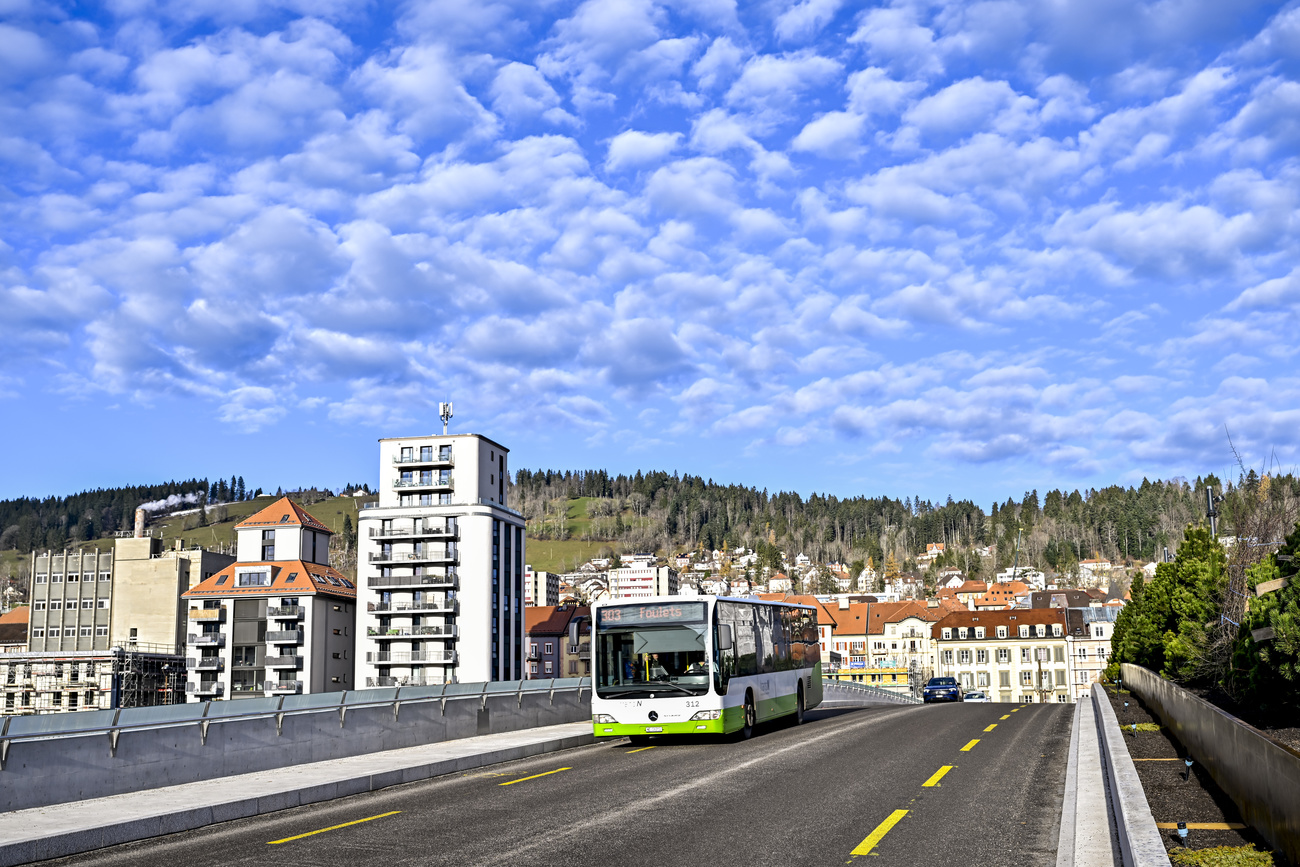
x: 581, y: 684
x: 203, y: 723
x: 279, y: 717
x: 443, y: 695
x: 4, y: 742
x: 343, y: 708
x: 552, y: 695
x: 397, y: 703
x: 519, y: 696
x: 483, y: 697
x: 113, y: 734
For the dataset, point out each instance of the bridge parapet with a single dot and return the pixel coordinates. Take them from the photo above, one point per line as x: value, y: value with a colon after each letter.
x: 55, y: 759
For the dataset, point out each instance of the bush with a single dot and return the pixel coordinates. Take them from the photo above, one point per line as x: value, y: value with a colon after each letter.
x: 1221, y: 856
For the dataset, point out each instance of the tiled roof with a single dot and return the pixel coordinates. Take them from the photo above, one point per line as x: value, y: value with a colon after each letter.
x: 21, y: 614
x: 284, y: 512
x: 288, y: 577
x: 991, y: 619
x: 551, y: 619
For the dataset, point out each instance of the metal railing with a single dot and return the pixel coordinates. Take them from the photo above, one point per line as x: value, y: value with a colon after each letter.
x: 421, y: 483
x: 867, y: 689
x: 450, y: 607
x: 206, y: 663
x: 450, y: 559
x: 217, y: 614
x: 283, y: 661
x: 284, y: 686
x: 430, y: 532
x: 448, y: 460
x: 442, y: 582
x: 285, y: 635
x: 208, y: 639
x: 414, y: 632
x: 404, y: 681
x: 286, y: 611
x: 45, y: 726
x: 439, y: 657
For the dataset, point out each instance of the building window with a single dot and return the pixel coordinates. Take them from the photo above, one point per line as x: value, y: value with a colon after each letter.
x: 961, y: 632
x: 1004, y: 655
x: 1024, y: 631
x: 38, y: 633
x: 548, y: 667
x: 982, y: 679
x: 1004, y: 679
x: 947, y: 657
x: 1041, y: 629
x: 57, y: 579
x: 963, y: 657
x: 1027, y: 678
x: 88, y: 603
x: 1026, y: 655
x: 979, y: 631
x: 73, y: 579
x: 41, y: 579
x: 1098, y: 632
x: 101, y: 631
x: 1002, y: 632
x: 254, y: 579
x: 101, y: 603
x: 38, y: 606
x: 532, y: 668
x: 1058, y: 653
x: 105, y: 576
x: 947, y: 634
x: 550, y: 648
x: 982, y: 657
x: 1056, y: 630
x: 1101, y: 653
x: 56, y: 604
x: 268, y: 545
x: 85, y: 631
x: 1083, y: 654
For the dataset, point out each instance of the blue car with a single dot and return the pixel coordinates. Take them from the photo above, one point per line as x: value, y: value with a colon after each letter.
x: 941, y: 689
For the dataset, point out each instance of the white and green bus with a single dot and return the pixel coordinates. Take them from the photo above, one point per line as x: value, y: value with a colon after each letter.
x: 701, y: 665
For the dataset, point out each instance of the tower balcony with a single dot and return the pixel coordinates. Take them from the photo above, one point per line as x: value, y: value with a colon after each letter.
x: 423, y: 582
x: 417, y: 632
x: 418, y: 461
x: 429, y: 557
x: 449, y: 606
x: 435, y: 483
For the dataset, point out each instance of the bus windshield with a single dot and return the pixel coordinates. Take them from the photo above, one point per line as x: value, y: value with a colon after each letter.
x: 651, y: 649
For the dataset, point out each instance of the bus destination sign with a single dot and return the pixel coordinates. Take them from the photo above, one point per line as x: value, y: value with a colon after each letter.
x: 651, y: 615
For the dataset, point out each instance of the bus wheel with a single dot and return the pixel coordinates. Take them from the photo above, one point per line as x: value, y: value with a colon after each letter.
x: 638, y: 740
x: 798, y: 706
x: 751, y: 717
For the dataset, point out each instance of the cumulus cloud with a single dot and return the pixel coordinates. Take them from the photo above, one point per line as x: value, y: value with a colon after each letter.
x: 1056, y: 240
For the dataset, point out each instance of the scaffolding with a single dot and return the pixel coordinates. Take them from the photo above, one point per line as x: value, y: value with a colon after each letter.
x: 66, y: 681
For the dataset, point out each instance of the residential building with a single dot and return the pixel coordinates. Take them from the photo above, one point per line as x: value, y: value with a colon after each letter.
x: 1015, y: 656
x: 640, y: 578
x: 71, y: 598
x: 999, y: 596
x: 933, y: 551
x: 441, y: 561
x: 1089, y: 631
x: 277, y: 621
x: 541, y: 588
x: 969, y: 591
x: 13, y: 629
x: 76, y: 680
x: 558, y: 640
x: 1063, y: 599
x: 1031, y: 577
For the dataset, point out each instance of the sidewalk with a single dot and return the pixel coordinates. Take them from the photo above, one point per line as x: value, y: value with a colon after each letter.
x: 81, y: 826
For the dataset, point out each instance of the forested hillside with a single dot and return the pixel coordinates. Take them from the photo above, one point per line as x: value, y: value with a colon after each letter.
x: 661, y: 511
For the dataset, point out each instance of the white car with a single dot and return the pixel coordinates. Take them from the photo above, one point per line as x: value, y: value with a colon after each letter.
x: 976, y: 696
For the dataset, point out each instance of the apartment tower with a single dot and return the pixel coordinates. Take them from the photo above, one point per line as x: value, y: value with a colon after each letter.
x: 440, y: 564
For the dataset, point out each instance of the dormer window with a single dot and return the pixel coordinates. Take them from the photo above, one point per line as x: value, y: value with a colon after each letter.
x: 961, y: 632
x: 253, y: 579
x: 293, y: 576
x: 1002, y: 632
x: 1056, y: 630
x: 947, y: 634
x: 1024, y: 631
x: 1042, y: 630
x: 979, y: 631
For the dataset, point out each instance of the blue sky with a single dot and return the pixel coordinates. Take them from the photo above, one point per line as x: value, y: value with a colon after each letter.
x: 912, y: 248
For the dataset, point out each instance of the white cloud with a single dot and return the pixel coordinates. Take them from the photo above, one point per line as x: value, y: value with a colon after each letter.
x: 635, y: 149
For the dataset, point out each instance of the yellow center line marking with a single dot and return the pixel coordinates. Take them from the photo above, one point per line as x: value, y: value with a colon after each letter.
x: 936, y: 777
x: 332, y: 828
x: 534, y: 776
x: 967, y: 748
x: 1005, y: 716
x: 639, y: 749
x: 1014, y: 709
x: 991, y: 728
x: 1204, y: 826
x: 865, y: 847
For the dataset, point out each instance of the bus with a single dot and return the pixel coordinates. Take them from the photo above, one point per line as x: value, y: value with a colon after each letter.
x: 701, y: 665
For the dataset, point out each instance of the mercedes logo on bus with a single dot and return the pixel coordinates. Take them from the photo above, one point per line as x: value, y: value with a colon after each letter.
x: 654, y: 715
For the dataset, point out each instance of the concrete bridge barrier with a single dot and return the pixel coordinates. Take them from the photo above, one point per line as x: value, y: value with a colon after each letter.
x: 55, y: 759
x: 1261, y: 775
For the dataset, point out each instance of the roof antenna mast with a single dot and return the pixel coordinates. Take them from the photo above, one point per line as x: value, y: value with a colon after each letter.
x: 444, y: 412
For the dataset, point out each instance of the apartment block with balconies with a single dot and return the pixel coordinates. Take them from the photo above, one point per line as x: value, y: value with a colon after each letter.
x: 279, y: 620
x: 440, y: 564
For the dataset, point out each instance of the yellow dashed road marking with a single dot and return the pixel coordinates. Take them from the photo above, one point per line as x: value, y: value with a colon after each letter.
x: 332, y: 828
x: 967, y: 748
x: 534, y: 776
x: 936, y: 777
x: 865, y: 847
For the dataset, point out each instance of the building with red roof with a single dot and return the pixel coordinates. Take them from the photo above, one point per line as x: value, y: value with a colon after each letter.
x: 277, y: 621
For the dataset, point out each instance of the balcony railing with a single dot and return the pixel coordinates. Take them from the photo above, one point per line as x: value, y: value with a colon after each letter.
x: 441, y: 460
x: 296, y: 611
x: 435, y: 657
x: 208, y: 639
x: 583, y: 651
x: 211, y: 688
x: 206, y: 663
x: 440, y: 582
x: 449, y: 607
x: 403, y: 681
x: 435, y: 483
x: 285, y: 636
x: 281, y: 687
x: 414, y: 632
x: 440, y: 557
x: 209, y: 614
x: 283, y: 661
x: 420, y: 532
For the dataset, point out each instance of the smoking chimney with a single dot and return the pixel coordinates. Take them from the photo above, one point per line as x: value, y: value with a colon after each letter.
x: 139, y: 523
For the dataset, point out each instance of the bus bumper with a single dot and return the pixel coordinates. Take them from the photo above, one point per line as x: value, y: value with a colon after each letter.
x: 691, y: 727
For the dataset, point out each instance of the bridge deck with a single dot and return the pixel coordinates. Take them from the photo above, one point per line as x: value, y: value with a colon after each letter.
x: 848, y: 784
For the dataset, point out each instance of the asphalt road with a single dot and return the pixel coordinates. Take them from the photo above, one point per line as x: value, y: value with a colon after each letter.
x: 805, y: 795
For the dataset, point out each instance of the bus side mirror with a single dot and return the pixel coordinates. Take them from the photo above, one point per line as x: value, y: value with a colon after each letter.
x: 724, y: 636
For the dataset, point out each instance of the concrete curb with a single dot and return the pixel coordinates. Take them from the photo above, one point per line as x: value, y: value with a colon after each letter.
x: 1139, y: 840
x: 86, y: 839
x: 1065, y: 841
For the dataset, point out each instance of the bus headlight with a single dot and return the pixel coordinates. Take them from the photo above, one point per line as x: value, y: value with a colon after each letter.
x: 603, y: 718
x: 707, y: 714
